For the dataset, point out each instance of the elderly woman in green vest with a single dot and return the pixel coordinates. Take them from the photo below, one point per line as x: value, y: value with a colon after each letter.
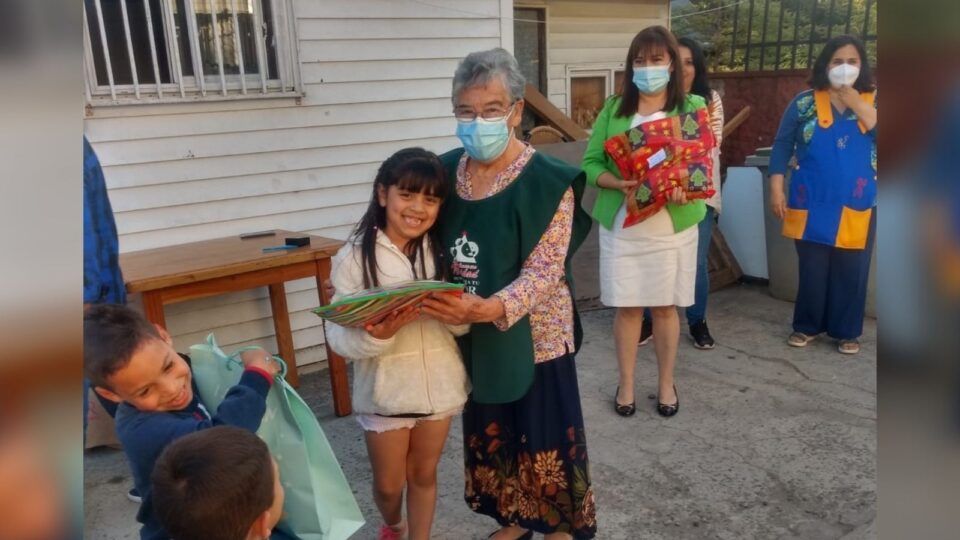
x: 652, y: 263
x: 510, y: 228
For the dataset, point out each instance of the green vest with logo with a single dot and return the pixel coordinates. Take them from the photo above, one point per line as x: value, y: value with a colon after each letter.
x: 486, y: 242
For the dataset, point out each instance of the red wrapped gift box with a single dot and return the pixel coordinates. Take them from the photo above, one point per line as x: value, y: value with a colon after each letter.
x: 662, y: 155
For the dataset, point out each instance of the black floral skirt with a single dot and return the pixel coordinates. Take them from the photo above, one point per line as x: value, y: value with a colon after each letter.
x: 526, y: 461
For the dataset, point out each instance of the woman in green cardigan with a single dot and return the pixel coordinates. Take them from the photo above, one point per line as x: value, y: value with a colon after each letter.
x: 653, y: 263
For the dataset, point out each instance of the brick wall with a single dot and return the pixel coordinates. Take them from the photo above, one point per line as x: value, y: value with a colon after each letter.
x: 768, y: 93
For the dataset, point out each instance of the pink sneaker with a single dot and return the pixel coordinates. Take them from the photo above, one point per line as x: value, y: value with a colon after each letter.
x: 389, y: 533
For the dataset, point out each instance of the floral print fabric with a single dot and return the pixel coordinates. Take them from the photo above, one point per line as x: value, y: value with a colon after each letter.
x: 526, y: 462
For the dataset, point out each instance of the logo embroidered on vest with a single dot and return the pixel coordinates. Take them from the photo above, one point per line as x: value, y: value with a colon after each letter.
x: 464, y: 266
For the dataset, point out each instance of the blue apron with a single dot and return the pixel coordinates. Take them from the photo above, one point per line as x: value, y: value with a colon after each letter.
x: 833, y: 189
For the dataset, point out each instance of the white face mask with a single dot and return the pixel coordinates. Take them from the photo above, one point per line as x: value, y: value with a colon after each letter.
x: 843, y: 75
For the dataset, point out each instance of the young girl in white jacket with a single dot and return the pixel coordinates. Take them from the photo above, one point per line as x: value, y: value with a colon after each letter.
x: 409, y: 379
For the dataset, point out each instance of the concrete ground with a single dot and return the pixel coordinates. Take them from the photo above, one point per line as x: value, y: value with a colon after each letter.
x: 770, y: 441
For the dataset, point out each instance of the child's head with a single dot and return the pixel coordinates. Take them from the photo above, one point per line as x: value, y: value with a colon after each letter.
x: 128, y: 359
x: 408, y: 192
x: 217, y: 484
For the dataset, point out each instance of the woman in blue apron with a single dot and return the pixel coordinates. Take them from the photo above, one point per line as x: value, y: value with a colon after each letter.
x: 830, y: 210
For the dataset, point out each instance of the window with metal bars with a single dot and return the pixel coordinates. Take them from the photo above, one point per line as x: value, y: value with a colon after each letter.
x: 149, y: 51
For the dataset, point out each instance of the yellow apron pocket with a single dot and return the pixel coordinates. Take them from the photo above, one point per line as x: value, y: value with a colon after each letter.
x: 794, y: 223
x: 854, y: 228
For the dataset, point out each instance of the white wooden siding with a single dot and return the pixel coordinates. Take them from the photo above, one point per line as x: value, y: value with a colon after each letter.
x: 376, y: 76
x: 583, y: 33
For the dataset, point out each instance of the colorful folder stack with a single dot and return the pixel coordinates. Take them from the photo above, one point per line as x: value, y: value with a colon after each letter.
x: 372, y: 305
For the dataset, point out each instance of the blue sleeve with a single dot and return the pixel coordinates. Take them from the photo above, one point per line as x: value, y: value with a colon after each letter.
x: 92, y: 270
x: 91, y: 265
x: 785, y: 141
x: 245, y: 403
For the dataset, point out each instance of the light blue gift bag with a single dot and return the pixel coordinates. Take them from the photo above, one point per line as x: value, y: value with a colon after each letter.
x: 319, y: 503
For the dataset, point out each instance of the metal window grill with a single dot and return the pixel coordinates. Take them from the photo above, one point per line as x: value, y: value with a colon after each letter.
x: 170, y: 50
x: 770, y: 35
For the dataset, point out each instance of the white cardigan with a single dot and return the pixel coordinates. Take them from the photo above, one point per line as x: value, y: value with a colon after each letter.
x: 417, y: 371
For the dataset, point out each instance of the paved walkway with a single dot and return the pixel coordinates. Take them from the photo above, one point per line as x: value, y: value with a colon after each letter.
x: 770, y: 441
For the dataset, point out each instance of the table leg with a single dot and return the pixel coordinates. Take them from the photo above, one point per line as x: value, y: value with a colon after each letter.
x: 338, y: 367
x: 281, y: 326
x: 153, y: 308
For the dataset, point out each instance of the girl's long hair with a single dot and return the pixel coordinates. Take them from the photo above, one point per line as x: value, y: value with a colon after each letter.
x: 412, y: 169
x: 652, y: 39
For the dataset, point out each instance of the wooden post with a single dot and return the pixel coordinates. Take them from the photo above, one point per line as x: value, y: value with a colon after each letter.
x: 284, y: 334
x: 338, y: 367
x: 540, y: 106
x: 153, y: 308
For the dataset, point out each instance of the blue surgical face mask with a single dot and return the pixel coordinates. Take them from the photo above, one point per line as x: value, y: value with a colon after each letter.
x: 651, y: 79
x: 484, y: 140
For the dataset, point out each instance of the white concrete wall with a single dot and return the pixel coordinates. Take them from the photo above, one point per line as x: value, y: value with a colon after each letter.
x: 376, y: 78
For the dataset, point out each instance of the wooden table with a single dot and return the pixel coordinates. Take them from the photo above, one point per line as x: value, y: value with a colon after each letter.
x: 200, y: 269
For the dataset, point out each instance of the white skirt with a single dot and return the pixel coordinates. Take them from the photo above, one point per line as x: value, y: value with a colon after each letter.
x: 647, y: 265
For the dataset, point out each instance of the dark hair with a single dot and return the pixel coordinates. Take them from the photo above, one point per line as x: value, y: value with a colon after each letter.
x: 819, y: 80
x: 412, y: 169
x: 212, y: 484
x: 701, y: 86
x: 652, y: 38
x: 111, y: 335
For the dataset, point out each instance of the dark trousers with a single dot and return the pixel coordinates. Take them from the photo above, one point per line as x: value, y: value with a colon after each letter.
x: 698, y: 311
x: 833, y: 288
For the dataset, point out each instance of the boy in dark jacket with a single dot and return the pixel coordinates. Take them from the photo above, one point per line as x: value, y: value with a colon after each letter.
x: 132, y: 362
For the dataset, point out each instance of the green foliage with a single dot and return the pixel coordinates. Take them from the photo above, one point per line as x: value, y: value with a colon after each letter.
x: 786, y: 36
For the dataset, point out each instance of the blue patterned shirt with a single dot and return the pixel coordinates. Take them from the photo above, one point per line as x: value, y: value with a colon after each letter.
x: 796, y: 129
x: 102, y: 280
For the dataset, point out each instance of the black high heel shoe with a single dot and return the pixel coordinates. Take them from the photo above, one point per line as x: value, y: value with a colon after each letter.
x: 669, y: 410
x: 624, y: 410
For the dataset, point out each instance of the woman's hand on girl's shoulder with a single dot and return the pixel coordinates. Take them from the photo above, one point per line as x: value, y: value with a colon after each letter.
x: 389, y: 325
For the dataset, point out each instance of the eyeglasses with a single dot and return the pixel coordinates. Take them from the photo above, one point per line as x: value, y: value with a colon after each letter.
x: 493, y: 114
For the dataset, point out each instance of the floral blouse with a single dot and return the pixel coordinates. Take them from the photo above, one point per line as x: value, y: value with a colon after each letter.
x: 536, y: 291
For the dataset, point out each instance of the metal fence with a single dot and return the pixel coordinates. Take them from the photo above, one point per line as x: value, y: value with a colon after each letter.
x: 761, y: 35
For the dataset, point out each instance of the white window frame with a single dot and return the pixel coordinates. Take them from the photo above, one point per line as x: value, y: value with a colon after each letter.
x: 213, y: 86
x: 605, y: 69
x: 600, y: 69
